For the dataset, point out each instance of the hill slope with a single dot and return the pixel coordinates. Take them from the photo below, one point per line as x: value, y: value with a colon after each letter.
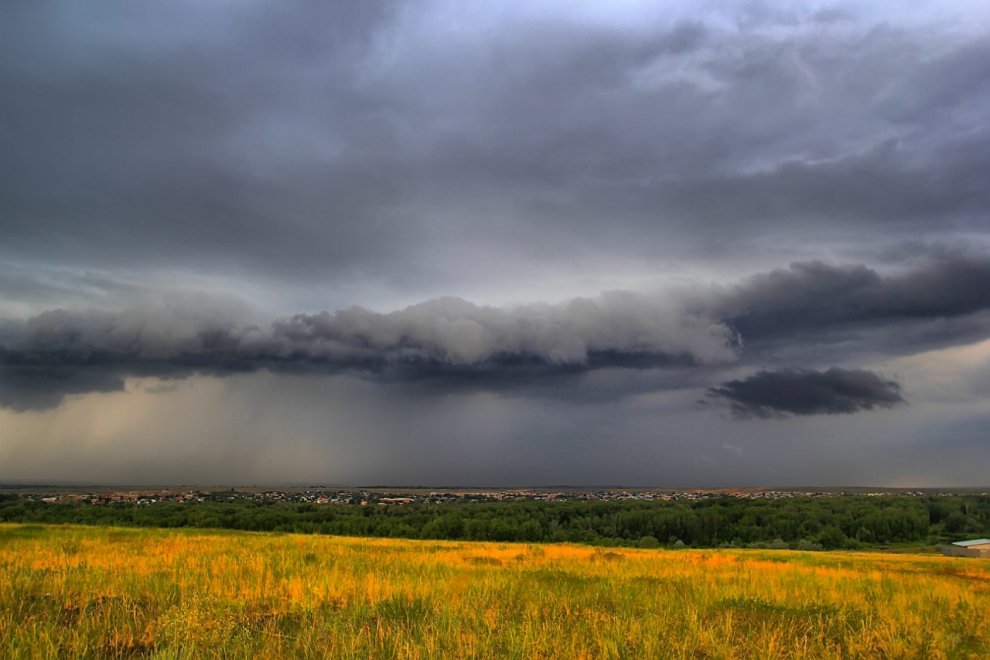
x: 113, y: 591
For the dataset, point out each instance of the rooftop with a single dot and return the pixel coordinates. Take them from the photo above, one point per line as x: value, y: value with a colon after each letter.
x: 966, y: 544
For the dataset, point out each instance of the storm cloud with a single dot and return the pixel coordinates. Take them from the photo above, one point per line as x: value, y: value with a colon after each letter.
x: 501, y: 232
x: 816, y: 296
x: 447, y: 330
x: 444, y: 338
x: 807, y: 392
x: 37, y: 387
x: 464, y: 344
x: 350, y: 145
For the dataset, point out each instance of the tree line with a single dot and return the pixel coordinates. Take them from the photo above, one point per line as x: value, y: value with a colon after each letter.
x: 799, y: 522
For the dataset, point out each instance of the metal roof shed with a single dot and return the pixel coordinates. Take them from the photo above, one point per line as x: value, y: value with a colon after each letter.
x: 971, y: 548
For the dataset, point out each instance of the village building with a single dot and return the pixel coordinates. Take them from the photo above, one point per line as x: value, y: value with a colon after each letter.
x: 973, y: 548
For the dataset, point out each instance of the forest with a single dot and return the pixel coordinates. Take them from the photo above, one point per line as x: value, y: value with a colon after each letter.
x: 808, y: 523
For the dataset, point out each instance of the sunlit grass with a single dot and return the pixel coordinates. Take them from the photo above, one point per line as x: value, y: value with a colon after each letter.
x: 79, y: 591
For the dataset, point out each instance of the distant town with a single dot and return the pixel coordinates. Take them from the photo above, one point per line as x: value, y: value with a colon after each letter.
x: 381, y: 496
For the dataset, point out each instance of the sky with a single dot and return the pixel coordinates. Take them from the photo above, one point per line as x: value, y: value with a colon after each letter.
x: 495, y: 243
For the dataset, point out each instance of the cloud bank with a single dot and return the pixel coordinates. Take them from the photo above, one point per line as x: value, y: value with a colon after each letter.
x: 455, y: 341
x: 814, y: 297
x: 448, y: 331
x: 447, y: 337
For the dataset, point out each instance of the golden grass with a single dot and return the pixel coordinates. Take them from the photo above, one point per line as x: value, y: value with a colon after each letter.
x: 77, y: 591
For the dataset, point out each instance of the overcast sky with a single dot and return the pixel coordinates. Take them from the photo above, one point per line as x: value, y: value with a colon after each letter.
x: 495, y: 243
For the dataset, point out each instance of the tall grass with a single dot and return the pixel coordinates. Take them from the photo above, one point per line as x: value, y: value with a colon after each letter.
x: 74, y: 591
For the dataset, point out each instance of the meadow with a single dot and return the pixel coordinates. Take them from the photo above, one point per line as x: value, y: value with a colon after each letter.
x: 101, y: 591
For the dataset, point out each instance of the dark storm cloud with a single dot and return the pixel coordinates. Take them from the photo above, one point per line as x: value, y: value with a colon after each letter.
x: 34, y: 387
x: 448, y: 330
x: 807, y: 392
x: 817, y: 298
x: 448, y: 340
x: 456, y: 332
x: 184, y: 135
x: 452, y: 343
x: 360, y: 140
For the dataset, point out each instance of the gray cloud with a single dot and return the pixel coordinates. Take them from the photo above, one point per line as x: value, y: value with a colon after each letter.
x: 448, y: 339
x: 456, y: 332
x: 807, y: 392
x: 448, y: 331
x: 365, y: 142
x: 815, y: 297
x: 450, y: 342
x: 34, y: 387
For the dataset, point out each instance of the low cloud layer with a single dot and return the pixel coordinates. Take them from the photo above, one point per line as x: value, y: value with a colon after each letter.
x: 816, y: 297
x: 456, y: 332
x: 34, y: 387
x: 453, y: 341
x: 448, y: 331
x: 803, y: 392
x: 444, y: 338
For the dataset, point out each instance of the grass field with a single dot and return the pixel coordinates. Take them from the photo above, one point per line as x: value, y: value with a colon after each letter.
x: 78, y: 591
